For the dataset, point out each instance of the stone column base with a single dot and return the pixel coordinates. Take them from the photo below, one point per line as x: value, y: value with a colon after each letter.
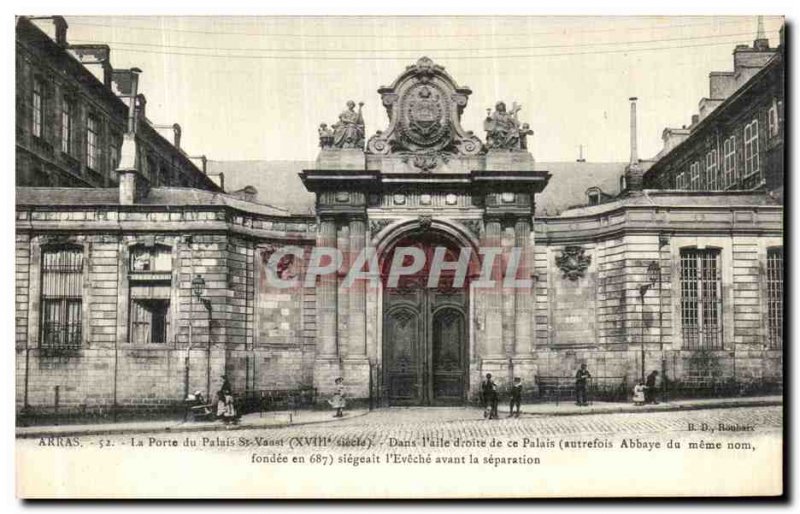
x: 356, y: 378
x: 326, y: 370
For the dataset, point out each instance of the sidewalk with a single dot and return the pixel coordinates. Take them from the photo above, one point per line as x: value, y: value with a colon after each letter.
x: 568, y: 408
x: 277, y: 419
x: 307, y: 417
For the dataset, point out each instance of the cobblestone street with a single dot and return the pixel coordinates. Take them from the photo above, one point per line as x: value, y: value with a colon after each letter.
x: 408, y: 424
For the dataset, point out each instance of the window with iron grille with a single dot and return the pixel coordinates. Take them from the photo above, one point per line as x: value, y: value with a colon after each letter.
x: 67, y: 110
x: 751, y: 164
x: 38, y: 107
x: 712, y: 178
x: 730, y: 161
x: 775, y: 297
x: 694, y: 176
x: 62, y: 298
x: 701, y: 299
x: 92, y: 147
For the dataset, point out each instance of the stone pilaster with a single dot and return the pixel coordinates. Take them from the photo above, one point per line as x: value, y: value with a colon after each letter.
x: 493, y: 359
x: 524, y: 367
x: 356, y: 365
x: 326, y: 365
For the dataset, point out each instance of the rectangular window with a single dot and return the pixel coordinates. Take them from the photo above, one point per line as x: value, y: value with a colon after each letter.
x: 680, y: 180
x: 150, y: 289
x: 694, y: 176
x: 67, y: 111
x: 712, y: 172
x: 701, y: 299
x: 751, y: 148
x: 149, y: 321
x: 92, y: 158
x: 772, y: 119
x: 38, y: 108
x: 730, y: 161
x: 775, y: 297
x: 62, y: 297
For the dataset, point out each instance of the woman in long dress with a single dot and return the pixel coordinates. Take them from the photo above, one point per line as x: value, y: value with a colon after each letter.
x: 337, y: 401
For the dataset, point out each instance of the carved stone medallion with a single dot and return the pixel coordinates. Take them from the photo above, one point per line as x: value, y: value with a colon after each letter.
x: 573, y: 262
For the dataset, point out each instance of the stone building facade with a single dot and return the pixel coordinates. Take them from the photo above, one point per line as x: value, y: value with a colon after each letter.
x: 73, y: 110
x: 735, y: 142
x: 131, y: 297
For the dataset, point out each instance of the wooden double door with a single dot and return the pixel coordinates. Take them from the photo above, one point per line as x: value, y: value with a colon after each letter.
x: 425, y: 338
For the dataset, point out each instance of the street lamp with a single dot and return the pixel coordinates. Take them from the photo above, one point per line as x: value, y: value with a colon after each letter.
x: 198, y: 288
x: 653, y: 275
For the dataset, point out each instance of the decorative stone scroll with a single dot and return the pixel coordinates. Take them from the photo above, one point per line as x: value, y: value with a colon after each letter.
x: 573, y: 262
x: 424, y: 105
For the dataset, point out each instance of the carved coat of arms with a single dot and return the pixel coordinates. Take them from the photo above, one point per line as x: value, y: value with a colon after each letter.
x: 573, y: 262
x: 424, y: 115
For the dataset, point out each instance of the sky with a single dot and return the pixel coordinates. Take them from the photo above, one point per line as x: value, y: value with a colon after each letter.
x: 257, y: 88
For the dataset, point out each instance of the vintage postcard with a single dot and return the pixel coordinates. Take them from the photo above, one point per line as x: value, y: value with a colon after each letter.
x: 399, y: 257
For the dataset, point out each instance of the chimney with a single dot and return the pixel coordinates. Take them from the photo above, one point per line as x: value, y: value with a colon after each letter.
x: 203, y: 161
x: 132, y: 184
x: 761, y: 42
x: 634, y: 152
x: 580, y: 154
x: 125, y: 84
x: 633, y: 172
x: 61, y: 30
x: 219, y: 180
x: 177, y: 135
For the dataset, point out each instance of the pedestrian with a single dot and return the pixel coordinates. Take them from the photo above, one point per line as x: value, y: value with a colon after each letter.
x: 229, y: 410
x: 650, y: 388
x: 638, y: 393
x: 516, y: 396
x: 489, y: 393
x: 220, y: 404
x: 226, y: 386
x: 581, y: 377
x: 337, y: 401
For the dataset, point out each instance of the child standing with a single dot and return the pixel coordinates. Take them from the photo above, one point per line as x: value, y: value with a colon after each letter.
x: 337, y: 402
x: 638, y: 393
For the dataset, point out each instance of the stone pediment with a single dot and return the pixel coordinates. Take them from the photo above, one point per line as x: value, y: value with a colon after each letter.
x: 424, y: 105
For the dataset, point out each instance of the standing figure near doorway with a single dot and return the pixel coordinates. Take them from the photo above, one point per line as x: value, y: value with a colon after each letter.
x: 489, y: 394
x: 516, y: 396
x: 650, y: 388
x: 581, y: 377
x: 338, y: 402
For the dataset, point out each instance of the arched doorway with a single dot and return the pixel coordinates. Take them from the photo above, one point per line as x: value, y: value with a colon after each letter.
x: 425, y: 329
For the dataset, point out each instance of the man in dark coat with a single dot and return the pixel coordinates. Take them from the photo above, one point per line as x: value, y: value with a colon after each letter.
x: 516, y: 396
x: 489, y: 394
x: 650, y: 388
x: 581, y: 377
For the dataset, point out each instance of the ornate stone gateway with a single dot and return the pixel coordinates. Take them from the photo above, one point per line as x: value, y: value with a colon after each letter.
x: 425, y: 340
x: 425, y: 181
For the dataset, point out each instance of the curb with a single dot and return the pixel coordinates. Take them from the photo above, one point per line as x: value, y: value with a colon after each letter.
x: 178, y: 429
x: 666, y: 408
x: 216, y: 428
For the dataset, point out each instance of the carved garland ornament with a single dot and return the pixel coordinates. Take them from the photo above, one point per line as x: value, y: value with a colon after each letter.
x: 573, y: 262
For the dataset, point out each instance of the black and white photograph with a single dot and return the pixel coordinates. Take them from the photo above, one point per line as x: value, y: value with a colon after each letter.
x: 398, y: 257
